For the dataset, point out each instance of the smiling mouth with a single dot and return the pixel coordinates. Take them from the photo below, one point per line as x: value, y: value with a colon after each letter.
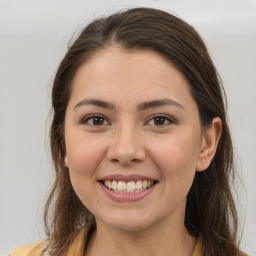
x: 128, y: 187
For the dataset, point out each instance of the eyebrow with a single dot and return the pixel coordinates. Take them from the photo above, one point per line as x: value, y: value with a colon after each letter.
x: 141, y: 106
x: 95, y: 102
x: 159, y: 103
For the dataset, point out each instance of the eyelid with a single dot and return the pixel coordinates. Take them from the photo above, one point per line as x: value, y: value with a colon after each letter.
x: 85, y: 119
x: 167, y: 117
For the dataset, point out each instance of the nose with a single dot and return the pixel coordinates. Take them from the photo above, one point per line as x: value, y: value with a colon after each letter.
x: 126, y: 147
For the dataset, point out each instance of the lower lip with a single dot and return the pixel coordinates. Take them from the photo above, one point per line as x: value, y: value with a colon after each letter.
x: 127, y: 197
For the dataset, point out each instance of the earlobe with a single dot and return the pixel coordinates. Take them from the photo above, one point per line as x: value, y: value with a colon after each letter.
x: 66, y: 161
x: 209, y: 144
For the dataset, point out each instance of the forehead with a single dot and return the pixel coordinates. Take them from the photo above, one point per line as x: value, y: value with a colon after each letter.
x: 116, y: 73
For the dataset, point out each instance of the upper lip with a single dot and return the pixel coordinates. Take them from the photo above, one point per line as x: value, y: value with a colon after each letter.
x: 126, y: 178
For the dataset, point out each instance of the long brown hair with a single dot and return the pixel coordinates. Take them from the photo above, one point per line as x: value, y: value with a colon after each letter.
x: 210, y: 210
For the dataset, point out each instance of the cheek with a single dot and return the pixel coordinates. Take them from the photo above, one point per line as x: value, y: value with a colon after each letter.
x: 176, y: 158
x: 84, y: 155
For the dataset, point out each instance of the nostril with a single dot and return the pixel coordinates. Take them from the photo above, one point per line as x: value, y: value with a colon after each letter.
x: 126, y: 154
x: 125, y: 161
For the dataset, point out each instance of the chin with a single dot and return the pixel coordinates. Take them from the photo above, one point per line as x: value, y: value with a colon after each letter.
x: 127, y: 223
x: 128, y: 227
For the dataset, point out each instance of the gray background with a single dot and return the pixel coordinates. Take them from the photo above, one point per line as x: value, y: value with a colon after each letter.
x: 33, y: 38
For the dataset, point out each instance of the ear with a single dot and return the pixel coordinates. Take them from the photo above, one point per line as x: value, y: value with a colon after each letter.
x: 66, y: 161
x: 210, y: 140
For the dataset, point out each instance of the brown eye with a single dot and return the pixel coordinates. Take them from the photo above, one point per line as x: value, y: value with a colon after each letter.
x: 97, y: 120
x: 160, y: 121
x: 94, y: 120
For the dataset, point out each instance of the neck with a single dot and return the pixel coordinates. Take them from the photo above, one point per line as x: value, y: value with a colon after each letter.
x: 160, y: 239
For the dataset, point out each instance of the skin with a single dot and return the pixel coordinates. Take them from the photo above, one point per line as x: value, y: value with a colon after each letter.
x: 127, y: 140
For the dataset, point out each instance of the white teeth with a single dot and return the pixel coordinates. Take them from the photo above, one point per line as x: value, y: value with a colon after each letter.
x: 144, y: 184
x: 121, y: 185
x: 114, y: 184
x: 128, y: 187
x: 139, y: 185
x: 109, y: 184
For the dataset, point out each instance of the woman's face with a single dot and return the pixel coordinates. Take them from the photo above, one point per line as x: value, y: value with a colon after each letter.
x: 133, y: 138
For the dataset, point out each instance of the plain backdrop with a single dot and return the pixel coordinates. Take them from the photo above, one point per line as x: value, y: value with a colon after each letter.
x: 33, y: 38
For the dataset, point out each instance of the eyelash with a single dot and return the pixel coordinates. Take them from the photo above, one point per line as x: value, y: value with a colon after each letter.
x: 86, y: 119
x: 93, y: 117
x: 162, y: 116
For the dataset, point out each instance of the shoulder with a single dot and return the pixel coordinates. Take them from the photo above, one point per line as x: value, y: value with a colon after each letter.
x: 199, y: 248
x: 35, y: 249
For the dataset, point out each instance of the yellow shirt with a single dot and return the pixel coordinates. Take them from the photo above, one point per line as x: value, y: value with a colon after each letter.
x: 76, y: 248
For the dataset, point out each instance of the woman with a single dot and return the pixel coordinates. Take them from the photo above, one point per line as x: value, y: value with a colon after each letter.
x: 140, y: 142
